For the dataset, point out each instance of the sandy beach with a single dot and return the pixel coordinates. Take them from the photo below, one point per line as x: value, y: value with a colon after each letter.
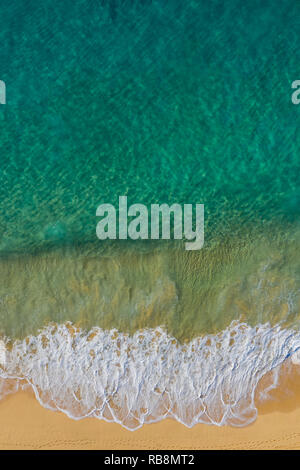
x: 25, y: 424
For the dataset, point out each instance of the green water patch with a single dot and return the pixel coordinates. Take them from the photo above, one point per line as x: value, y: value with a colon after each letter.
x: 131, y: 286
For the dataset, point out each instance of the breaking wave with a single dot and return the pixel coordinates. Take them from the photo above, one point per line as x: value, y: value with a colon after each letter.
x: 148, y: 376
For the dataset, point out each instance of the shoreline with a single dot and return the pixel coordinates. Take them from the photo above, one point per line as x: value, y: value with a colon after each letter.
x: 25, y: 424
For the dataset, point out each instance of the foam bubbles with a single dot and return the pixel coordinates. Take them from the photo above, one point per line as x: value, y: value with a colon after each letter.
x: 149, y: 376
x: 296, y: 358
x: 2, y: 353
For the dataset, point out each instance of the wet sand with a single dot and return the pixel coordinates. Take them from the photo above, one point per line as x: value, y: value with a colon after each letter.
x: 25, y: 424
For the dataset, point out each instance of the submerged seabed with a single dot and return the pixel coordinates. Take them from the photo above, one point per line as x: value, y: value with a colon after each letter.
x: 135, y: 336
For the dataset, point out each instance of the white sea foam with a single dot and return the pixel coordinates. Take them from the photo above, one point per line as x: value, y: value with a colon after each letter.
x: 2, y: 353
x: 146, y: 377
x: 296, y: 358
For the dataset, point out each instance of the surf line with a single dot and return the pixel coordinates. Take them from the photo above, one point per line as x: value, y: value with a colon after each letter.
x: 160, y: 218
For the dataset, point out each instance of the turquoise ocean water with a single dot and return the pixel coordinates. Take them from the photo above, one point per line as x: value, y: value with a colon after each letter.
x: 164, y: 102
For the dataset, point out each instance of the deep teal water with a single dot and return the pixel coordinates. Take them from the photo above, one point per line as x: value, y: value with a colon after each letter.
x: 162, y: 101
